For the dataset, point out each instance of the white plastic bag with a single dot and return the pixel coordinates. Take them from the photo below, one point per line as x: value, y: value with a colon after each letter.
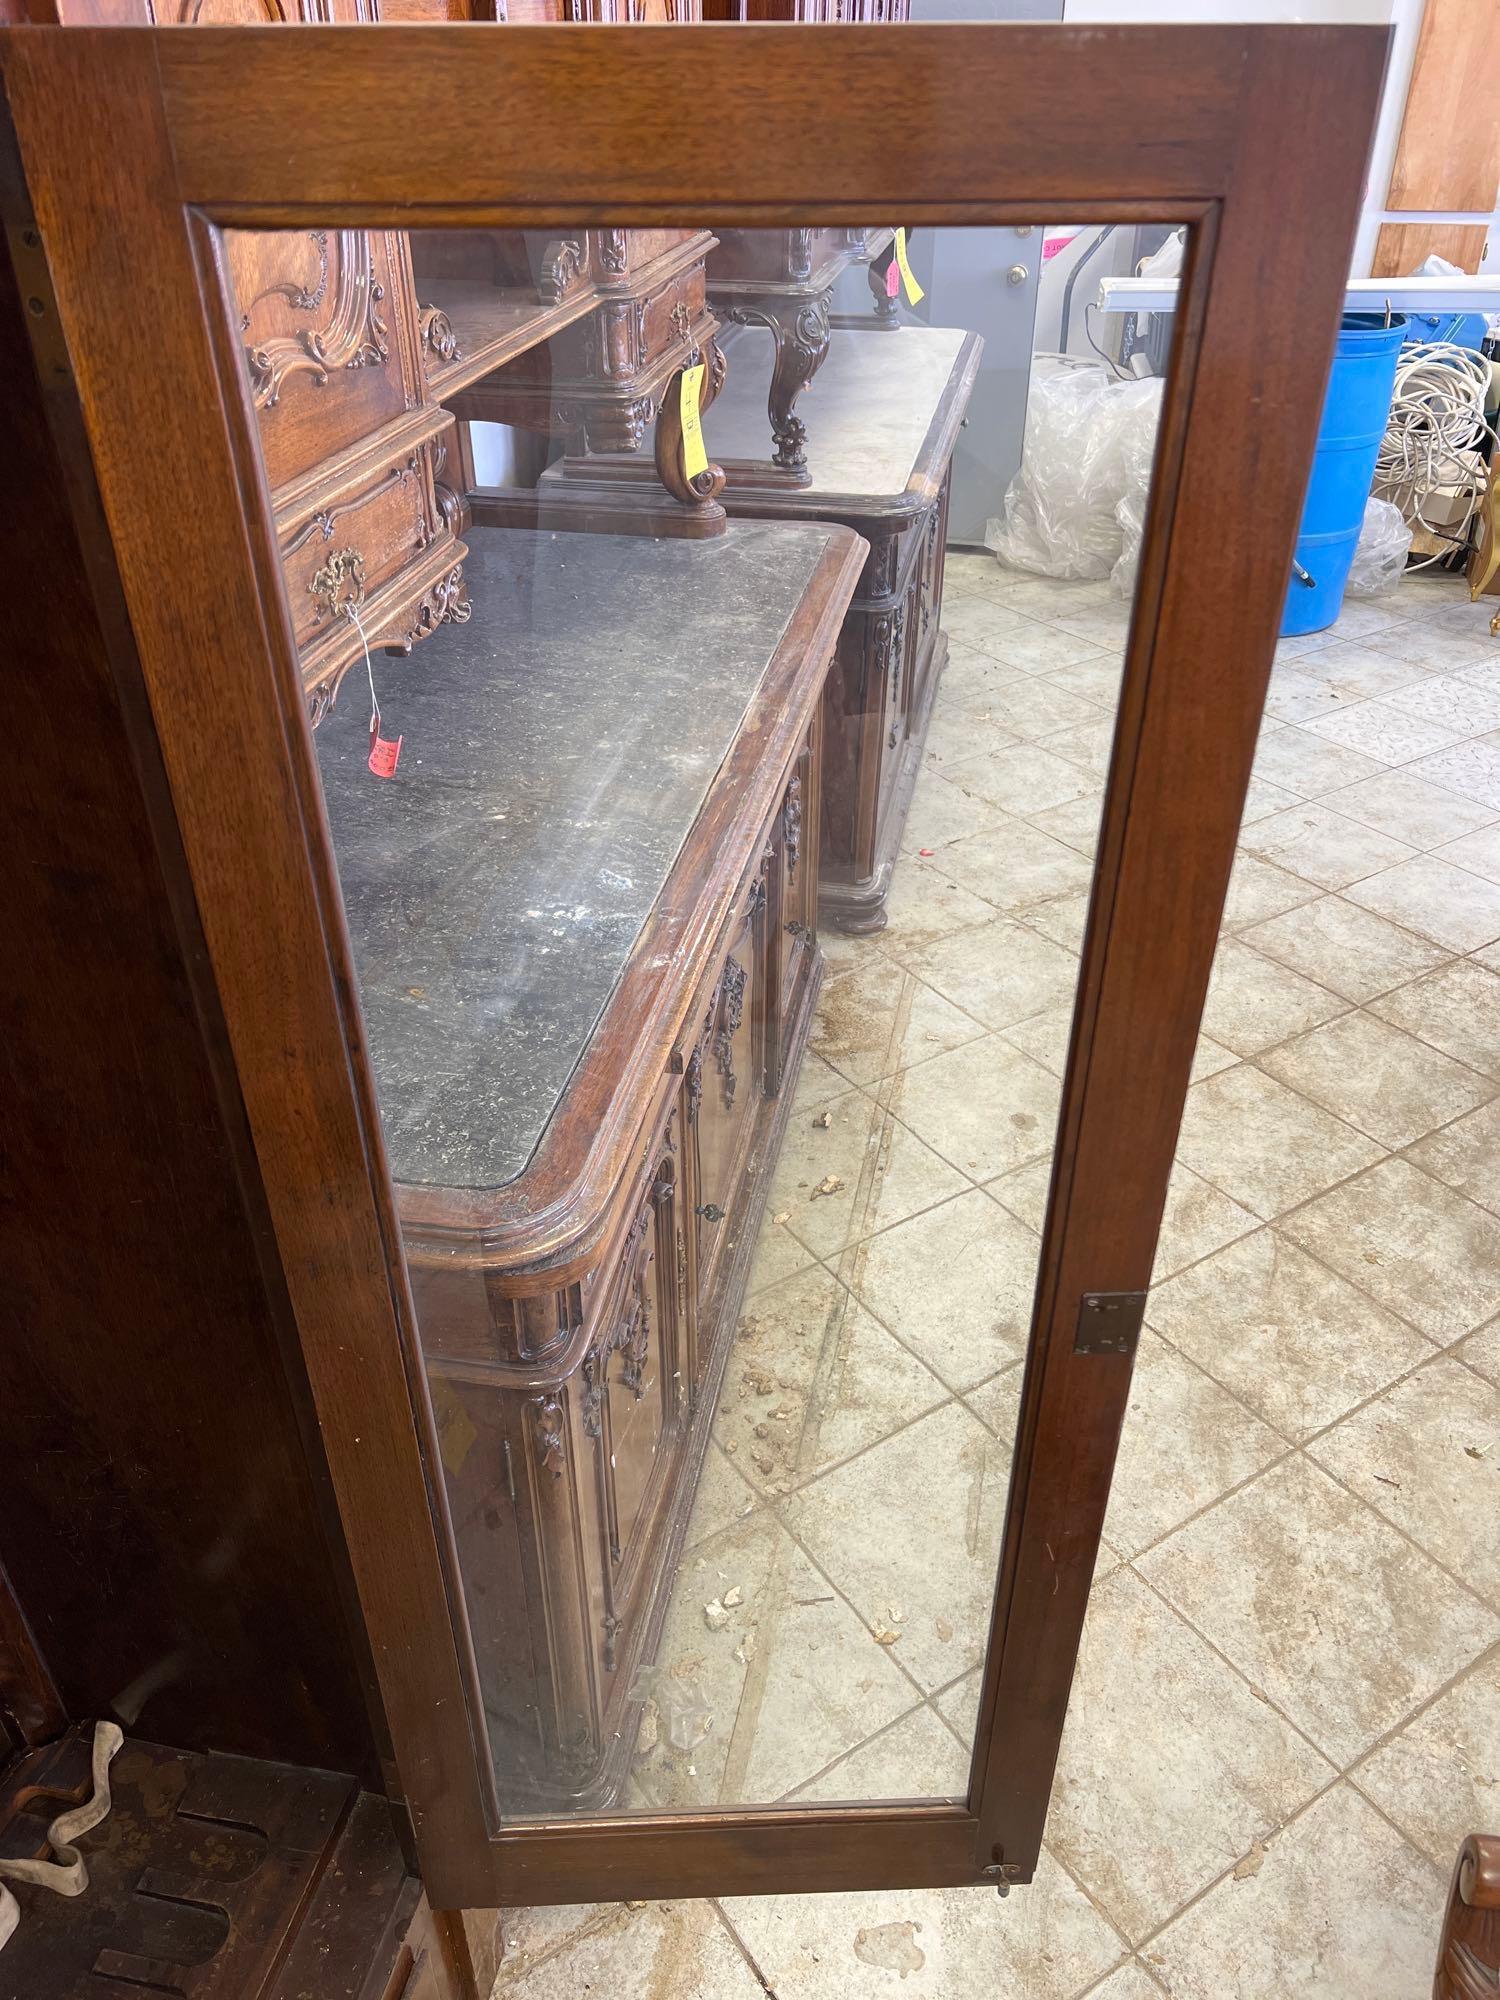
x: 1137, y: 450
x: 1380, y: 555
x: 1059, y: 511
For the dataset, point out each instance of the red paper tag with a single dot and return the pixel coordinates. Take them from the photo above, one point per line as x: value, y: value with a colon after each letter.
x: 383, y: 754
x: 893, y: 279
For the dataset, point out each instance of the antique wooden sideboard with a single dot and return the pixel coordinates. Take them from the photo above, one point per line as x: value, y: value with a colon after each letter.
x: 583, y: 1050
x: 783, y: 280
x: 889, y: 408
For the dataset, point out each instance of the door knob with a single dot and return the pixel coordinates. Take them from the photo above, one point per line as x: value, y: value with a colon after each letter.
x: 1017, y: 275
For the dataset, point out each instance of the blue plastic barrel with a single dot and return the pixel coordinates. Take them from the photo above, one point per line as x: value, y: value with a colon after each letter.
x: 1354, y: 419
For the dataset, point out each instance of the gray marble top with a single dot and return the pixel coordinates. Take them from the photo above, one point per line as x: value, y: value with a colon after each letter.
x: 556, y: 752
x: 867, y: 410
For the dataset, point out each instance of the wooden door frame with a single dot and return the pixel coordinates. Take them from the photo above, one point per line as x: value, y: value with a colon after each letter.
x: 1255, y: 137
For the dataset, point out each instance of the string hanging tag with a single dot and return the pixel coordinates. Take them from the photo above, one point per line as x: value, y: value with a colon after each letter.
x: 383, y: 750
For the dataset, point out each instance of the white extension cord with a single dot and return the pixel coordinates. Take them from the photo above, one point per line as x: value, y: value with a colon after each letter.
x: 66, y: 1874
x: 1436, y: 431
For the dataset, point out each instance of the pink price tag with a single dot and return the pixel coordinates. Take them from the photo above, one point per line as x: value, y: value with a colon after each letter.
x: 383, y: 752
x: 893, y: 279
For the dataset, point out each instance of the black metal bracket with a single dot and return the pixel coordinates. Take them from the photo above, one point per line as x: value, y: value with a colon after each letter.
x: 1109, y: 1322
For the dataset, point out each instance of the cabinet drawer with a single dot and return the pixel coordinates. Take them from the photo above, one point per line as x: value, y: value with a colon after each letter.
x: 352, y: 543
x: 326, y: 350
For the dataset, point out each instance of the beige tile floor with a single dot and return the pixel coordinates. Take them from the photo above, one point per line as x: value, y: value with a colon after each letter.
x: 1287, y: 1711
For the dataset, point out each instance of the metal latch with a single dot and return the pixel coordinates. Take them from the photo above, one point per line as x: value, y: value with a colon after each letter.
x: 1109, y: 1322
x: 710, y: 1211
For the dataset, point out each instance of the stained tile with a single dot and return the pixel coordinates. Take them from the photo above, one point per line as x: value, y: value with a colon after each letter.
x: 1264, y: 1145
x: 1436, y: 651
x: 916, y: 1758
x: 778, y: 1255
x: 1478, y: 852
x: 997, y: 1403
x: 1131, y: 1982
x: 1377, y: 1078
x: 1307, y: 764
x: 955, y: 735
x: 1426, y: 1455
x: 1197, y: 1219
x: 1323, y: 846
x: 985, y: 1107
x: 1076, y: 822
x: 1044, y: 649
x: 1471, y: 769
x: 1209, y: 1059
x: 997, y: 973
x: 1387, y: 734
x: 1436, y: 900
x: 1253, y: 1002
x: 1089, y: 745
x: 1044, y: 1038
x: 812, y: 1379
x: 882, y: 1018
x: 924, y: 904
x: 1295, y: 696
x: 1481, y: 1352
x: 1360, y: 672
x: 1349, y: 950
x: 1321, y: 1604
x: 792, y: 1681
x: 1426, y: 1253
x: 981, y: 621
x: 1024, y: 779
x: 1170, y: 1767
x: 1185, y: 1442
x: 955, y: 1283
x: 970, y: 680
x: 1024, y: 1191
x: 1015, y: 866
x: 1437, y: 1778
x: 1455, y: 1009
x: 1096, y: 676
x: 1063, y: 919
x: 883, y: 1173
x: 1262, y: 798
x: 1465, y: 1156
x: 1297, y: 1343
x: 1259, y: 889
x: 1451, y: 703
x: 941, y: 812
x: 677, y: 1948
x: 1032, y: 708
x: 944, y: 1480
x: 721, y: 1499
x: 1342, y: 1908
x: 1409, y: 809
x: 928, y: 1944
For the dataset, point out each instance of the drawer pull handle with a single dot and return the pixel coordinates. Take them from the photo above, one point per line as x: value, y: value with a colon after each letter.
x: 710, y: 1211
x: 340, y: 583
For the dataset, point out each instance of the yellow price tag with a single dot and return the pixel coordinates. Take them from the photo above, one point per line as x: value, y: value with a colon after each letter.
x: 914, y: 292
x: 694, y: 455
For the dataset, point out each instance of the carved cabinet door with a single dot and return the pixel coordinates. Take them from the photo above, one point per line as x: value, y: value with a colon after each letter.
x: 725, y: 1076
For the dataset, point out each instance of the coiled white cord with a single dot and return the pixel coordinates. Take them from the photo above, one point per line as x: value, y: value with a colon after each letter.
x: 1436, y: 423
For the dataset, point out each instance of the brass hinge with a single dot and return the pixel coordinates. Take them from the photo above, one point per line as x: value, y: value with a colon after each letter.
x: 1109, y: 1322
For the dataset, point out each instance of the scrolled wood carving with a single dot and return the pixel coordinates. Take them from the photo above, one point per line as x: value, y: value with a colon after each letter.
x: 562, y: 267
x: 731, y: 1013
x: 612, y: 251
x: 353, y: 334
x: 438, y: 336
x: 446, y: 603
x: 547, y: 1427
x: 791, y: 825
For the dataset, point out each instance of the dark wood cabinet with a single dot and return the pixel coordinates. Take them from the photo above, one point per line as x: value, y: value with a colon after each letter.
x: 616, y: 1009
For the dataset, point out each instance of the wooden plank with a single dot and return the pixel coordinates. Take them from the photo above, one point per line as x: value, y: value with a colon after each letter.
x: 1401, y: 246
x: 1448, y: 155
